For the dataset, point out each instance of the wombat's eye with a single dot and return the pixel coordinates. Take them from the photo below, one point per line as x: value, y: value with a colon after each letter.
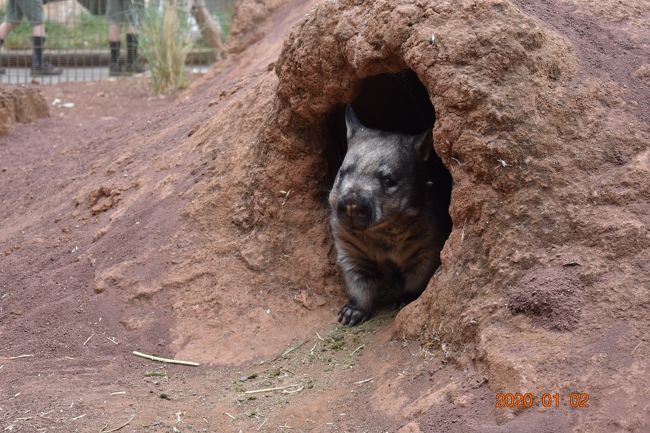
x: 388, y: 181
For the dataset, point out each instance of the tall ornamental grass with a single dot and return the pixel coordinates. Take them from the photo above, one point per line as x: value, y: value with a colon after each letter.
x: 165, y: 42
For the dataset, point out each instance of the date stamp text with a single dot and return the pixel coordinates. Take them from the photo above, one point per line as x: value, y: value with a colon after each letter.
x: 512, y: 400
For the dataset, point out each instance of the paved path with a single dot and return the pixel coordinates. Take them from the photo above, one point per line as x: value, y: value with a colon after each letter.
x: 23, y: 76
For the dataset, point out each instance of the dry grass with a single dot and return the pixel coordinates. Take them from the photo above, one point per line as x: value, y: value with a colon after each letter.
x: 166, y: 41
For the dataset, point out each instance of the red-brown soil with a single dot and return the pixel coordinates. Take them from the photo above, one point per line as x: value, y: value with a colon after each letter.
x: 194, y: 227
x: 20, y: 105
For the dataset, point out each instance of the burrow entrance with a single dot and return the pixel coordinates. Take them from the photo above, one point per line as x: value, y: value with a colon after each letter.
x: 396, y: 102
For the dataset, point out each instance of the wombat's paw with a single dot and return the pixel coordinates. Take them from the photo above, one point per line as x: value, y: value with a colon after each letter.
x: 351, y: 315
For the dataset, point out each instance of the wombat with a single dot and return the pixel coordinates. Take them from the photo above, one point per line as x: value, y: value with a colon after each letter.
x: 383, y: 219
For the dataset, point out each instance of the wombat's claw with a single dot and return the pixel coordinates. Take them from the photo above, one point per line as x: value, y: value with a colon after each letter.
x: 350, y: 315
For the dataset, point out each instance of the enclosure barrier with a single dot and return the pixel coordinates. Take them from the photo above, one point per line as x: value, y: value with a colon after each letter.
x: 77, y: 39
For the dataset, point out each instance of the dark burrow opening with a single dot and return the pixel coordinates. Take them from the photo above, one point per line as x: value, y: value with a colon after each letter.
x: 395, y: 102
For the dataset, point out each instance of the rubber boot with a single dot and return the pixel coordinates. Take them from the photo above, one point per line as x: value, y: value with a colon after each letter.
x: 2, y: 70
x: 133, y: 65
x: 115, y: 69
x: 39, y: 67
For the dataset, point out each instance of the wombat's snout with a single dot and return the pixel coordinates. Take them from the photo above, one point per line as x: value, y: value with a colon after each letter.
x: 355, y: 211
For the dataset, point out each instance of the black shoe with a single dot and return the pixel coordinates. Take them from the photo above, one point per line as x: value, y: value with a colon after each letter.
x: 135, y: 68
x: 45, y: 69
x: 115, y: 70
x: 2, y: 71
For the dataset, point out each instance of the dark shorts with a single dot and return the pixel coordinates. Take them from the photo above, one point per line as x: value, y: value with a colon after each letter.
x: 30, y: 9
x: 125, y: 12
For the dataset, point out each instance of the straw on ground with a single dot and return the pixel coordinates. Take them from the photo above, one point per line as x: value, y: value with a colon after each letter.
x: 363, y: 381
x: 117, y: 428
x: 165, y: 360
x: 275, y: 388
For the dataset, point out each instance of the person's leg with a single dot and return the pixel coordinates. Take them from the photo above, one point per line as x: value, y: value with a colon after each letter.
x: 38, y: 41
x: 114, y: 30
x: 38, y: 30
x: 5, y: 29
x: 115, y: 16
x: 39, y: 66
x: 12, y: 19
x: 134, y: 18
x: 132, y: 60
x: 33, y: 10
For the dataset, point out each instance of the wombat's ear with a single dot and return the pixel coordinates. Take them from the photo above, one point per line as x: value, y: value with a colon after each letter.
x: 423, y: 144
x: 351, y: 121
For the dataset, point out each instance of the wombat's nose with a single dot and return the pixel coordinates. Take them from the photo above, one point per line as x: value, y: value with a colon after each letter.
x: 353, y: 208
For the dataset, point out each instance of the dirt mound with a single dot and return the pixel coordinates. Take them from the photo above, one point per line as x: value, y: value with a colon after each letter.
x: 249, y: 14
x: 20, y: 104
x: 543, y: 178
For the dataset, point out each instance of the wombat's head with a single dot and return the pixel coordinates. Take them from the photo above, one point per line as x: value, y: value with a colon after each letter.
x: 381, y: 178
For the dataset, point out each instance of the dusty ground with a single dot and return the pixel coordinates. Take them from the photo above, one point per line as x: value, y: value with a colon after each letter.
x: 124, y: 227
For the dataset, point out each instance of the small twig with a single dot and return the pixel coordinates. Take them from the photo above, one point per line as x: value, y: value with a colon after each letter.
x: 118, y: 428
x: 319, y: 337
x: 314, y: 347
x: 118, y: 393
x: 20, y: 356
x: 636, y: 347
x: 42, y: 415
x: 105, y: 425
x: 289, y: 350
x: 462, y: 232
x: 294, y: 391
x: 286, y: 196
x: 363, y: 381
x: 88, y: 339
x: 357, y: 349
x: 262, y: 425
x: 165, y: 360
x: 24, y: 419
x: 112, y: 340
x: 228, y: 415
x: 205, y: 420
x: 277, y: 388
x: 78, y: 417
